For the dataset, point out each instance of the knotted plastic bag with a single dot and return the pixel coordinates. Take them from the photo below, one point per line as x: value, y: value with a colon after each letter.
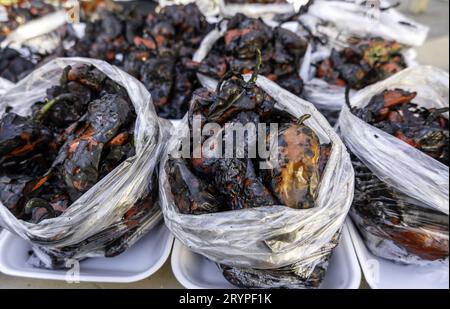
x: 93, y: 225
x: 270, y: 239
x: 407, y: 221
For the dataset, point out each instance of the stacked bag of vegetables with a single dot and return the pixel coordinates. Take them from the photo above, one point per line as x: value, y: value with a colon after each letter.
x: 397, y: 132
x: 354, y: 45
x: 79, y: 144
x: 266, y: 223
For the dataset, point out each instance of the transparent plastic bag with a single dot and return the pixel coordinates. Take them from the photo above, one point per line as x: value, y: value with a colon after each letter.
x: 93, y: 226
x: 338, y: 20
x: 272, y: 238
x: 4, y: 85
x: 408, y: 220
x: 257, y: 10
x: 334, y: 22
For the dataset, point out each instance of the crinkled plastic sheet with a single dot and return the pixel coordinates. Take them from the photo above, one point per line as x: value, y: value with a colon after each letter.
x: 422, y: 180
x: 97, y: 214
x: 4, y: 85
x: 270, y: 237
x: 346, y: 18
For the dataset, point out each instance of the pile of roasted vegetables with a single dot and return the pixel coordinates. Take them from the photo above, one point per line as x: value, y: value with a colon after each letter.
x: 390, y: 214
x: 75, y: 137
x: 209, y: 184
x: 365, y: 62
x: 154, y: 47
x: 282, y: 52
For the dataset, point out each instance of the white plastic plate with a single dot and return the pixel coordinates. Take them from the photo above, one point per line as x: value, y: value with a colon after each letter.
x: 383, y: 274
x: 137, y: 263
x: 194, y: 271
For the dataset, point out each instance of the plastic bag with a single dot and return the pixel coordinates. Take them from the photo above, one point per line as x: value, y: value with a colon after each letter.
x: 92, y: 226
x: 4, y: 85
x: 416, y: 185
x: 258, y: 9
x: 334, y: 22
x: 340, y: 19
x: 211, y: 38
x: 271, y: 237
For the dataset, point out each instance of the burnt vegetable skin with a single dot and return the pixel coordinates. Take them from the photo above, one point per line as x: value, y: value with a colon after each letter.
x: 296, y: 179
x: 384, y: 211
x: 13, y: 65
x: 75, y: 137
x: 154, y: 47
x: 365, y: 62
x: 281, y: 50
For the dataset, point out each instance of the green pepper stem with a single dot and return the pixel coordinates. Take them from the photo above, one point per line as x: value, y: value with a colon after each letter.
x: 47, y: 106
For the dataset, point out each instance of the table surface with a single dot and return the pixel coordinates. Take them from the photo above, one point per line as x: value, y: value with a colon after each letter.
x: 435, y: 52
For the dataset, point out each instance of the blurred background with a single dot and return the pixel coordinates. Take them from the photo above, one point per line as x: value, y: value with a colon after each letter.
x: 434, y: 14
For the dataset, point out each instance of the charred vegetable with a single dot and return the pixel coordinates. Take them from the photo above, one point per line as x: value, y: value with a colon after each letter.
x: 383, y: 211
x: 365, y: 62
x: 296, y: 179
x: 155, y: 47
x: 13, y: 65
x: 82, y: 131
x: 282, y: 51
x: 213, y: 183
x: 388, y: 214
x: 394, y: 112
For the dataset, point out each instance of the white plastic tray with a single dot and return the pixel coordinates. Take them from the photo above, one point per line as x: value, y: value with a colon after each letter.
x: 384, y: 274
x: 137, y: 263
x: 194, y: 271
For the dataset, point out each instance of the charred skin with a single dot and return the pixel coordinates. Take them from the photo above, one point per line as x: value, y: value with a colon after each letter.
x: 104, y: 119
x: 394, y: 112
x: 365, y: 62
x: 191, y: 195
x: 289, y: 277
x: 20, y: 137
x: 295, y: 181
x: 281, y: 52
x: 13, y: 65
